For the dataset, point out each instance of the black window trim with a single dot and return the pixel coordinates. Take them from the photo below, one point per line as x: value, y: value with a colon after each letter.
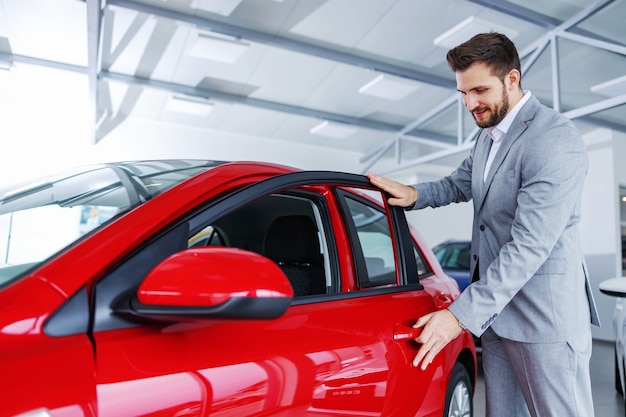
x: 283, y: 182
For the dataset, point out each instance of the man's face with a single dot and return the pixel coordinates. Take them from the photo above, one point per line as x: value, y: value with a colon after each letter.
x: 484, y: 94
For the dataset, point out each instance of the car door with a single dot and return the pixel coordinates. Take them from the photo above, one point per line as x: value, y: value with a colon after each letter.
x: 343, y: 350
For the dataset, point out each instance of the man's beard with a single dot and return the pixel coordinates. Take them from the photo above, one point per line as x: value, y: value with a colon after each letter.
x: 497, y: 113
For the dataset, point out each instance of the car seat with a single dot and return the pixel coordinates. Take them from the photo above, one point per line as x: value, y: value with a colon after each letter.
x: 293, y: 243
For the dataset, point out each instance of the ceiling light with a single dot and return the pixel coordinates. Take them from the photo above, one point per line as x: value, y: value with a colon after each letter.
x: 468, y: 28
x: 189, y: 105
x: 333, y: 130
x: 389, y: 88
x: 612, y: 88
x: 216, y: 48
x: 223, y: 7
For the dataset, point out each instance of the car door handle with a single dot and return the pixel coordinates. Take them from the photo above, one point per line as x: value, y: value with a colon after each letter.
x: 442, y: 301
x: 404, y: 333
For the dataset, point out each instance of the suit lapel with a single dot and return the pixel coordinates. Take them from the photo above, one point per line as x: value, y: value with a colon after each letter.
x: 519, y: 125
x: 483, y: 145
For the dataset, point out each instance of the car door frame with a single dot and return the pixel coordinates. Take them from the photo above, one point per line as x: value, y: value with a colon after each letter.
x: 399, y: 227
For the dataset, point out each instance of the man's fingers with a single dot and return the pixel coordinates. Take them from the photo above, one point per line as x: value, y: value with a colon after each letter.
x: 424, y: 350
x: 422, y: 320
x: 401, y: 195
x: 425, y: 356
x: 395, y: 201
x: 421, y: 353
x: 383, y: 182
x: 438, y: 329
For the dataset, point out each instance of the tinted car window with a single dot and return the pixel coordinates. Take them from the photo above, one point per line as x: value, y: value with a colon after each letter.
x: 284, y: 228
x: 375, y: 240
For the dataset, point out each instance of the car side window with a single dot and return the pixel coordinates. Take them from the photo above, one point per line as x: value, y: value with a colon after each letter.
x: 284, y: 228
x: 372, y: 235
x: 374, y: 238
x: 422, y: 268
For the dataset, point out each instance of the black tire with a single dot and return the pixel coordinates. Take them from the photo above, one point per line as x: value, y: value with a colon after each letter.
x: 459, y: 398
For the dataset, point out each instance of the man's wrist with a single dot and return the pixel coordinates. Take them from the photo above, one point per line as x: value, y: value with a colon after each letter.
x: 461, y: 325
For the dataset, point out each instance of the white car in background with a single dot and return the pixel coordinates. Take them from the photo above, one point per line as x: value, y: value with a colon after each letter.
x: 616, y: 287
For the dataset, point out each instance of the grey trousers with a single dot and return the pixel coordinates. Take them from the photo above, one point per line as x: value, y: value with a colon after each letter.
x: 537, y: 379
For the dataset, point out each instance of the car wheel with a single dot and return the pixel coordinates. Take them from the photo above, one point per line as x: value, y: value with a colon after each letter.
x: 618, y: 381
x: 459, y: 401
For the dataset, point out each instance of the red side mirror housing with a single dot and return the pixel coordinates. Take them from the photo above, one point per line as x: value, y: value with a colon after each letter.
x: 211, y: 282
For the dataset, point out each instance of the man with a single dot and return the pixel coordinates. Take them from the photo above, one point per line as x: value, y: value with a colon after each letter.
x: 530, y: 300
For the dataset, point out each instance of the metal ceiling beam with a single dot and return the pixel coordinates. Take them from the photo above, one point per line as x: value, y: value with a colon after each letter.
x: 94, y: 23
x: 519, y: 12
x: 607, y: 46
x: 604, y: 123
x: 533, y: 52
x: 596, y: 107
x: 218, y: 95
x: 42, y: 62
x: 378, y: 152
x: 268, y: 105
x: 286, y: 43
x: 531, y: 16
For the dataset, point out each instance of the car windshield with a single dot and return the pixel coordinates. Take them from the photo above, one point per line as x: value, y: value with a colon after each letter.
x: 41, y: 218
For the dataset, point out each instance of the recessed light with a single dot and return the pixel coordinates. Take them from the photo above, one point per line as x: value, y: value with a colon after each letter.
x: 468, y: 28
x: 223, y: 7
x: 389, y: 88
x: 216, y: 48
x: 189, y: 105
x: 333, y: 130
x: 612, y: 88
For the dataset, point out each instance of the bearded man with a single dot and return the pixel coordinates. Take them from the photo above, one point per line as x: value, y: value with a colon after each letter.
x: 530, y: 300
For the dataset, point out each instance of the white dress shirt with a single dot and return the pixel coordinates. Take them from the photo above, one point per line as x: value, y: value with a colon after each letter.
x: 497, y: 132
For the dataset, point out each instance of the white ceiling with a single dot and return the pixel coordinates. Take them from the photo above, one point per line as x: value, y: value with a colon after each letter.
x: 307, y: 59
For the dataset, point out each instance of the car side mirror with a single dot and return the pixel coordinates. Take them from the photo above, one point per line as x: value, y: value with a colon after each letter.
x: 615, y: 287
x: 210, y: 283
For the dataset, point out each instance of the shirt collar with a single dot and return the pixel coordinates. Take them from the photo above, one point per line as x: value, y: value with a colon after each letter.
x: 498, y: 131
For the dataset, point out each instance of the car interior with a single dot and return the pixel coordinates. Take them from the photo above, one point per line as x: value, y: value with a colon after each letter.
x: 284, y: 228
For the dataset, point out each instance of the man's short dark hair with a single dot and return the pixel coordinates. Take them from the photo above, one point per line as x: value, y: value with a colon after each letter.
x: 494, y: 49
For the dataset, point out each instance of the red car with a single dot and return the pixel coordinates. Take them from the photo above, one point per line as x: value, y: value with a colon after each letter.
x: 202, y: 288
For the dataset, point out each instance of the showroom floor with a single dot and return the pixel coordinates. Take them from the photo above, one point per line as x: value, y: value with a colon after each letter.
x: 607, y: 403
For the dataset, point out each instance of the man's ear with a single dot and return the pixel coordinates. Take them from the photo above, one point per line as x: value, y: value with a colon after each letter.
x: 512, y: 79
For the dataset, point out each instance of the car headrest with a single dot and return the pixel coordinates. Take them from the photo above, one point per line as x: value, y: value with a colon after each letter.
x: 292, y: 239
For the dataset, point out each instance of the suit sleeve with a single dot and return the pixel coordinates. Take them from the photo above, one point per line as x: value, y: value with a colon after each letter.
x: 455, y: 188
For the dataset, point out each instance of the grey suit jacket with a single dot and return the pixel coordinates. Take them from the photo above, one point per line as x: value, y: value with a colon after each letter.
x: 533, y: 283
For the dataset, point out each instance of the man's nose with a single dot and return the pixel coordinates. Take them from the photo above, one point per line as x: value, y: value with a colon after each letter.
x: 470, y: 102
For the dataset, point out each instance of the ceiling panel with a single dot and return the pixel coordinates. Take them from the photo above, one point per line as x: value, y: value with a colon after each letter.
x: 306, y: 61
